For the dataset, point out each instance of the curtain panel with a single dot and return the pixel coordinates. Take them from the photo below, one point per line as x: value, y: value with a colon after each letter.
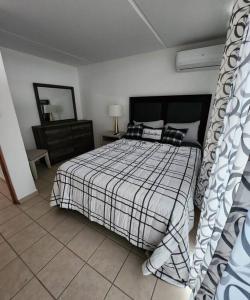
x: 231, y: 158
x: 235, y: 222
x: 234, y: 283
x: 228, y: 66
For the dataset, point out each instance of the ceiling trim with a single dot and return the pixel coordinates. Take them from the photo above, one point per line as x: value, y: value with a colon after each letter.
x: 146, y: 21
x: 44, y: 45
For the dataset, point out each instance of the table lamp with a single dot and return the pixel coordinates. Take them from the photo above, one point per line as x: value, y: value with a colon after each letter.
x: 51, y: 109
x: 115, y: 111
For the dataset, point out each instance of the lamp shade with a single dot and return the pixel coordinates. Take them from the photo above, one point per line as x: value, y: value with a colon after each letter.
x: 115, y: 110
x: 52, y: 108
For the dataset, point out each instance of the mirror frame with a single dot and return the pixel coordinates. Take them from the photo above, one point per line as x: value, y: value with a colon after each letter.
x: 36, y: 85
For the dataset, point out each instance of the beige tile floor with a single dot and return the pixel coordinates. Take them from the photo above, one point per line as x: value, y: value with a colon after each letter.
x: 51, y: 253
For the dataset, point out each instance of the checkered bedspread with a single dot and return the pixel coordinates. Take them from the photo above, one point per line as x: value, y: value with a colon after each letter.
x: 143, y: 191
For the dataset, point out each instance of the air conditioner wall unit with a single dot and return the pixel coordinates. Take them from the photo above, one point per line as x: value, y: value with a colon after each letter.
x: 207, y: 57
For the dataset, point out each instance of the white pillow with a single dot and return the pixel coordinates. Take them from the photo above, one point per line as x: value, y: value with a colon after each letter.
x: 152, y: 124
x: 193, y: 129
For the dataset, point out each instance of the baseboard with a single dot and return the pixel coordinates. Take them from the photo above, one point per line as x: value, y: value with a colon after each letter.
x: 28, y: 197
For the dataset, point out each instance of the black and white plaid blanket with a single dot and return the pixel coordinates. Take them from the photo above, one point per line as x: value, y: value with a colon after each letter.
x: 143, y: 191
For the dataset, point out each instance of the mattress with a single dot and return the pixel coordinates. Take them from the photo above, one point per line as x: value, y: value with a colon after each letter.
x: 140, y: 190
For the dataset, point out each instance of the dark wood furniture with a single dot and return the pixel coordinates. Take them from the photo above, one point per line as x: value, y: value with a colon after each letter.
x: 109, y: 137
x: 65, y: 139
x: 41, y: 102
x: 172, y: 109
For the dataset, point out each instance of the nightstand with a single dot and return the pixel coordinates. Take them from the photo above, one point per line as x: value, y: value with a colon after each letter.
x: 109, y: 137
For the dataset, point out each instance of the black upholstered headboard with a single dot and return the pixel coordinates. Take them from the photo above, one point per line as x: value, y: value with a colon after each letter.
x: 174, y: 109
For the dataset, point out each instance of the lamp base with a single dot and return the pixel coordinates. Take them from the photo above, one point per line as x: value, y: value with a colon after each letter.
x: 116, y: 126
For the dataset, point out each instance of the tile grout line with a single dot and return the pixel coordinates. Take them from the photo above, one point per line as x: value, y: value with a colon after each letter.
x: 106, y: 236
x: 84, y: 264
x: 10, y: 199
x: 22, y: 211
x: 34, y: 275
x: 27, y: 215
x: 19, y: 256
x: 113, y: 283
x: 46, y: 233
x: 66, y: 246
x: 154, y: 289
x: 15, y: 205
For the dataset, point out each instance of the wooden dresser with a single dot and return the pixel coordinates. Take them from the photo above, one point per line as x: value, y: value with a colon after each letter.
x: 64, y: 140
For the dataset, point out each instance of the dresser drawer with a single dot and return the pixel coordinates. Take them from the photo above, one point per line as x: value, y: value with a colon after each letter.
x: 83, y: 128
x: 57, y: 133
x: 60, y: 143
x: 61, y: 154
x: 65, y: 140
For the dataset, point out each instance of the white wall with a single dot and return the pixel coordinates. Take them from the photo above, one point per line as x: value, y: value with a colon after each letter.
x: 24, y: 69
x: 145, y: 74
x: 11, y: 142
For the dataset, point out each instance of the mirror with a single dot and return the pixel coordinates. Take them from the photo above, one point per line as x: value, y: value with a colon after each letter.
x: 55, y: 103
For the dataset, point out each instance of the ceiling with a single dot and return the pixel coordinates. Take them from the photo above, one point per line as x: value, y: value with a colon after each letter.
x: 87, y: 31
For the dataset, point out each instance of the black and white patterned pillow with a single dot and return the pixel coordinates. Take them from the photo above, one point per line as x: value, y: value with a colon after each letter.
x: 152, y: 134
x: 134, y: 132
x: 173, y: 136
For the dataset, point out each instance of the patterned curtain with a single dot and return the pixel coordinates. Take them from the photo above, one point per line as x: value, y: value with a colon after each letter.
x: 227, y: 70
x: 234, y: 283
x: 235, y: 221
x: 231, y: 158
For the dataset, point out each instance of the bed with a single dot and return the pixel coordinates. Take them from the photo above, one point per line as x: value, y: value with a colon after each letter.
x: 142, y: 191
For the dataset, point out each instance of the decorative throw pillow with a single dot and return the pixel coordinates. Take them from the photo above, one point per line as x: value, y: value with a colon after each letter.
x: 134, y: 132
x: 173, y: 136
x: 192, y: 129
x: 151, y: 134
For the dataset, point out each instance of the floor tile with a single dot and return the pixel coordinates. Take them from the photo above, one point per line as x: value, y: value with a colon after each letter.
x: 38, y: 255
x: 49, y: 176
x: 108, y: 259
x: 31, y: 202
x: 38, y: 210
x: 6, y: 254
x: 116, y: 294
x: 140, y: 252
x: 119, y: 239
x: 4, y: 189
x: 40, y: 183
x: 45, y: 188
x: 164, y: 290
x: 76, y: 216
x: 43, y: 170
x: 67, y: 229
x: 86, y: 242
x: 131, y: 280
x: 98, y: 227
x: 4, y: 202
x: 33, y: 291
x: 1, y: 239
x: 52, y: 218
x: 60, y: 271
x: 27, y: 237
x: 12, y: 278
x: 15, y: 225
x: 88, y: 284
x: 8, y: 213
